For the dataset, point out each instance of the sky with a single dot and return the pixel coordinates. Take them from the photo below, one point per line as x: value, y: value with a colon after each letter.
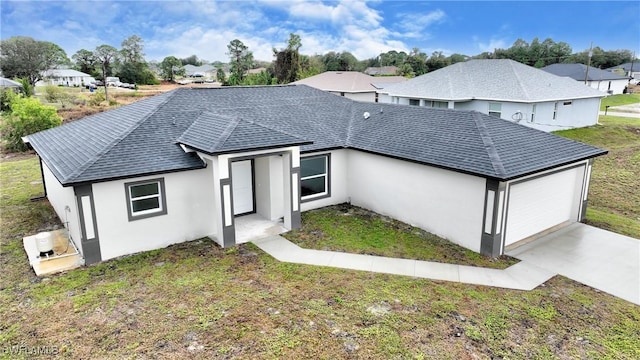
x: 364, y: 28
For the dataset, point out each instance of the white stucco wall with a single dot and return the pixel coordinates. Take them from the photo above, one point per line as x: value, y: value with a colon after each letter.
x: 616, y: 86
x: 61, y: 197
x: 581, y: 113
x: 339, y: 191
x: 190, y: 214
x: 443, y: 202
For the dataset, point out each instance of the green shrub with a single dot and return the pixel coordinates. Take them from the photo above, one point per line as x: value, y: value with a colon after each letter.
x: 97, y: 98
x: 53, y: 93
x: 27, y: 116
x: 27, y: 88
x: 6, y: 96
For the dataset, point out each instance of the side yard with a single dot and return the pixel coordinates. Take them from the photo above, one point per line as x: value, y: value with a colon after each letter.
x: 195, y: 300
x: 614, y: 199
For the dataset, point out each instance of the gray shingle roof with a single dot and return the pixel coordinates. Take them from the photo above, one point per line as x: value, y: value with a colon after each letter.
x: 144, y: 137
x: 217, y: 134
x: 500, y: 79
x: 579, y: 72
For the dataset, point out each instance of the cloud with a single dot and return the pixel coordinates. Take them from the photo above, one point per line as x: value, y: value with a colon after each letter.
x: 491, y: 45
x: 414, y: 24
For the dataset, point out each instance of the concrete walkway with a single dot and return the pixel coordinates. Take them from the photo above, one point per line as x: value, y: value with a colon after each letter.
x: 521, y: 276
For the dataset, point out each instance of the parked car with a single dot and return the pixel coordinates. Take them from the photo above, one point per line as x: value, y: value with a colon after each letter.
x: 98, y: 83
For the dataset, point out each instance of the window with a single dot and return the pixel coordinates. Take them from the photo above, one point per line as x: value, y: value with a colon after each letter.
x: 376, y: 97
x: 555, y: 110
x: 414, y: 102
x: 314, y: 177
x: 145, y: 199
x: 567, y: 103
x: 495, y: 109
x: 342, y: 93
x: 438, y: 104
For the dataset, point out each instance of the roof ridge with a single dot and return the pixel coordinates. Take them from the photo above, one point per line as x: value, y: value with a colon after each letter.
x: 487, y: 140
x: 120, y: 138
x: 228, y: 130
x: 520, y: 82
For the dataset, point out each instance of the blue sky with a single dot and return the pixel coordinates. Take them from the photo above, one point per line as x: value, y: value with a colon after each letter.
x: 365, y: 28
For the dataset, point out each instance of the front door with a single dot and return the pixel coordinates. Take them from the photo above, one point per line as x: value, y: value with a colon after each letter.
x: 242, y: 187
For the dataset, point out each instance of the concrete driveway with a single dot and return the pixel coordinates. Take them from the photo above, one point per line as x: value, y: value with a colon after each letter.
x: 598, y: 258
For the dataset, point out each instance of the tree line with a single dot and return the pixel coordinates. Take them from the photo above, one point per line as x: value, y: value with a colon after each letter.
x: 26, y: 58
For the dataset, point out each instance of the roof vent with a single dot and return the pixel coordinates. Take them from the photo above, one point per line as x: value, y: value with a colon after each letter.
x: 366, y: 115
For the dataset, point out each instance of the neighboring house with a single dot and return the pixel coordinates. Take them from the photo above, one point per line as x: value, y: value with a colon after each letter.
x: 65, y: 77
x: 605, y: 81
x: 8, y: 83
x: 350, y: 84
x: 503, y: 88
x: 382, y: 71
x: 188, y: 163
x: 208, y: 71
x: 630, y: 69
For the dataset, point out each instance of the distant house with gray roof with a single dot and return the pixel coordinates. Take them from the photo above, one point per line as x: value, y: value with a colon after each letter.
x: 503, y: 88
x: 630, y: 69
x: 65, y: 77
x: 223, y: 162
x: 605, y: 81
x: 351, y: 84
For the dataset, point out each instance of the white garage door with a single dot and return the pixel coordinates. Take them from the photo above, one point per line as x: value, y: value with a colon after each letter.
x: 242, y: 185
x: 541, y: 203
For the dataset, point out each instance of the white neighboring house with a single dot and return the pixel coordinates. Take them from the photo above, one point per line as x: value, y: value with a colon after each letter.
x: 192, y: 162
x: 605, y: 81
x: 503, y: 88
x: 630, y: 69
x: 351, y: 84
x: 65, y: 77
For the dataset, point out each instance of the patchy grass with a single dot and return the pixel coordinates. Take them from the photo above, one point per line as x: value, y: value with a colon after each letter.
x: 614, y: 199
x: 620, y: 99
x: 352, y: 229
x: 195, y: 300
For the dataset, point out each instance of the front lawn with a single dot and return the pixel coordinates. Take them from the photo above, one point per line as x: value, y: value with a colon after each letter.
x: 197, y: 301
x: 614, y: 198
x: 352, y: 229
x: 620, y: 99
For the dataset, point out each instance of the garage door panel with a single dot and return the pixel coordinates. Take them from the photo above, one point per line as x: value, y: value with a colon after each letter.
x: 542, y: 203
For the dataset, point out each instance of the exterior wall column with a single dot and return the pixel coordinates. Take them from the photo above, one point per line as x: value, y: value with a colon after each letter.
x: 226, y: 231
x: 585, y: 191
x: 90, y: 240
x: 291, y: 176
x: 491, y: 240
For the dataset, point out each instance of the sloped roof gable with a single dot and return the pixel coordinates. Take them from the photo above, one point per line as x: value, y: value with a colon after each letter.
x: 500, y: 79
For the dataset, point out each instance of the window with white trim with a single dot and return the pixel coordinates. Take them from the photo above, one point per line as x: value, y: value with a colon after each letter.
x: 314, y: 177
x: 555, y: 110
x: 415, y: 102
x: 533, y: 112
x: 145, y: 199
x: 495, y: 109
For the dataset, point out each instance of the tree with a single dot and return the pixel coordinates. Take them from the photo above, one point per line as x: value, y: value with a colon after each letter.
x: 437, y: 60
x: 170, y: 67
x: 133, y: 68
x: 24, y: 57
x: 191, y: 60
x: 286, y: 67
x: 241, y: 60
x: 221, y: 77
x: 85, y: 61
x: 105, y: 55
x: 418, y: 62
x: 27, y: 116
